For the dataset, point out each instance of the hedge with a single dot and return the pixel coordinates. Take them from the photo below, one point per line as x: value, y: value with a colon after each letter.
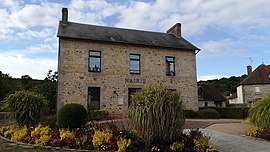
x: 231, y: 113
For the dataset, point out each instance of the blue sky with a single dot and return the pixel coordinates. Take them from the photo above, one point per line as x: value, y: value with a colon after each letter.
x: 228, y: 32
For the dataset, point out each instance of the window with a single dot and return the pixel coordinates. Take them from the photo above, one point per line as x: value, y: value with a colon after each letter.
x: 206, y: 104
x: 93, y: 98
x: 94, y: 61
x: 134, y: 64
x: 200, y: 93
x: 170, y: 66
x: 131, y: 91
x: 257, y: 89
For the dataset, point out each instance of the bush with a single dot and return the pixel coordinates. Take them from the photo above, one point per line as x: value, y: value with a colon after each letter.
x: 259, y: 114
x: 156, y: 114
x: 230, y: 113
x: 209, y: 114
x: 98, y: 115
x: 27, y: 107
x: 191, y: 114
x: 71, y: 116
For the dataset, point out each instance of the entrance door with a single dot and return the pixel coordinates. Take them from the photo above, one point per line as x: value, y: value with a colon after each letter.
x: 93, y: 98
x: 131, y: 91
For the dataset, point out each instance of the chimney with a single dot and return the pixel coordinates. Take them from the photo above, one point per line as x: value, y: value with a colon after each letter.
x: 175, y: 30
x: 64, y: 16
x: 249, y: 70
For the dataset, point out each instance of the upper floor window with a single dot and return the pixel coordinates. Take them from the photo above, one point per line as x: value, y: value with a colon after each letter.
x: 134, y: 63
x: 200, y: 93
x: 257, y: 89
x: 170, y: 66
x: 94, y: 61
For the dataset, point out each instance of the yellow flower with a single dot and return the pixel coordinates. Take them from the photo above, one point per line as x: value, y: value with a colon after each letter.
x: 41, y: 134
x: 177, y: 146
x: 18, y: 135
x: 123, y: 144
x: 155, y: 148
x: 202, y: 143
x: 66, y: 134
x: 101, y: 138
x: 252, y: 131
x: 9, y: 130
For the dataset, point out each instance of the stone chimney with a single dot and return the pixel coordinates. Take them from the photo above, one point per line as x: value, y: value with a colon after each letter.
x: 64, y: 16
x: 249, y: 70
x: 175, y: 30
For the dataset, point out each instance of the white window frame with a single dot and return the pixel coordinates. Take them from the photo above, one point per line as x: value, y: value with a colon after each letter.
x: 257, y: 89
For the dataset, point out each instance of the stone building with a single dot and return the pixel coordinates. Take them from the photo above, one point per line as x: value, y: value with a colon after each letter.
x: 101, y: 67
x: 209, y: 96
x: 255, y: 87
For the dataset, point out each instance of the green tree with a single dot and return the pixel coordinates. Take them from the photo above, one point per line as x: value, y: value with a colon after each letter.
x: 48, y: 88
x: 7, y: 85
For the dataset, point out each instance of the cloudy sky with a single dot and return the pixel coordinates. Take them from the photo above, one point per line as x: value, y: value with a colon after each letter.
x: 228, y: 33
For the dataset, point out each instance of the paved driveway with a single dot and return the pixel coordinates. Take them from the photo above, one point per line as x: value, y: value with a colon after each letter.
x: 234, y: 143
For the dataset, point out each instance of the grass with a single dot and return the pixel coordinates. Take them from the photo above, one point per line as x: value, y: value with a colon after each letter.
x: 7, y: 146
x: 4, y: 122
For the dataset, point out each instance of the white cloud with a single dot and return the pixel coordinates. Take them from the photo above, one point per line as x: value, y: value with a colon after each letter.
x: 211, y: 77
x: 42, y: 48
x: 228, y: 47
x: 18, y: 65
x: 35, y: 15
x: 42, y: 34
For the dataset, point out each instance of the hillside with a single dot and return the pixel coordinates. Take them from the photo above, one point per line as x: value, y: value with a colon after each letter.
x: 227, y: 86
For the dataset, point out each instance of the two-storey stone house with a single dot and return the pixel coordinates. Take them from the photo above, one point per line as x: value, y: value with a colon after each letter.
x: 255, y: 87
x: 101, y: 67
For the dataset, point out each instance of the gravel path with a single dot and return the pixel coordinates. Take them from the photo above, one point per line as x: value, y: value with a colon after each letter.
x: 232, y: 143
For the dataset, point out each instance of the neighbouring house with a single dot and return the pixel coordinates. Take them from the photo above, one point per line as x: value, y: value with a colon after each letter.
x: 255, y: 87
x: 101, y: 67
x: 209, y: 96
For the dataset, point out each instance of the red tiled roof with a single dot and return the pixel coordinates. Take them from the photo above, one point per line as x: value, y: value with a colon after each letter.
x: 261, y: 75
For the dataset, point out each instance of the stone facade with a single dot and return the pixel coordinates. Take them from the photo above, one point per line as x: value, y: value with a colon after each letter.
x: 249, y: 96
x: 115, y: 78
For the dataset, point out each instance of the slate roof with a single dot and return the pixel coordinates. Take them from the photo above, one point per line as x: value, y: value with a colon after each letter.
x: 120, y: 35
x: 261, y: 75
x: 210, y: 93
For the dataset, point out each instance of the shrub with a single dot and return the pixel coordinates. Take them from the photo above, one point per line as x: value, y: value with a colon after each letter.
x: 27, y: 107
x: 191, y: 114
x: 98, y: 115
x: 209, y: 114
x: 259, y: 114
x: 230, y: 113
x: 156, y: 114
x: 71, y: 116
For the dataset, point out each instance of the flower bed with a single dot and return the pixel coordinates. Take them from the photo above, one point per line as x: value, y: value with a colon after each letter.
x: 106, y: 139
x: 259, y: 132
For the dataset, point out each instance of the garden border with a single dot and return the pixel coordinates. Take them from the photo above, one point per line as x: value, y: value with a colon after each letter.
x: 46, y: 147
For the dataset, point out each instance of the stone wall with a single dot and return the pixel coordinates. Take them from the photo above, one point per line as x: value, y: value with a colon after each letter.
x: 249, y: 93
x: 115, y: 78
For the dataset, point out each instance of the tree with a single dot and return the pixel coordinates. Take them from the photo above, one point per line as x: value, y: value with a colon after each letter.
x: 48, y: 88
x: 7, y: 85
x: 227, y: 86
